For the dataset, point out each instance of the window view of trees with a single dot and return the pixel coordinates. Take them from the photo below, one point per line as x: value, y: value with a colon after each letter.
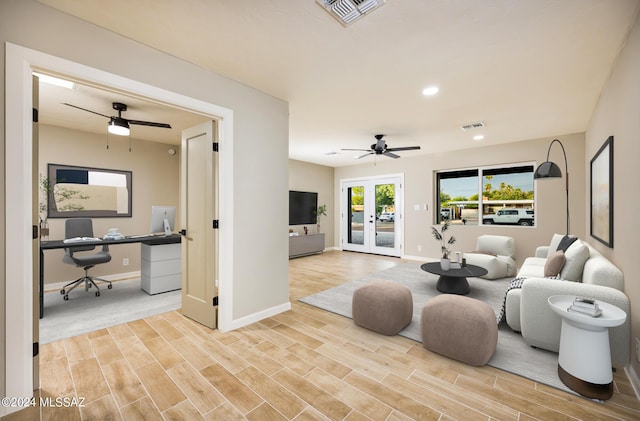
x: 475, y: 196
x: 385, y: 198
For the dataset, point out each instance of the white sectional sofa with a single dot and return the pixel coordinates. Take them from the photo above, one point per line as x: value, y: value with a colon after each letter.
x: 585, y: 273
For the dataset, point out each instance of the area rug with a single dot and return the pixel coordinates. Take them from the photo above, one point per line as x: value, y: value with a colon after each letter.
x: 84, y: 312
x: 512, y: 353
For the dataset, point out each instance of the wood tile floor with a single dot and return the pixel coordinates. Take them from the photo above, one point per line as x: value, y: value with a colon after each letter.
x: 306, y: 364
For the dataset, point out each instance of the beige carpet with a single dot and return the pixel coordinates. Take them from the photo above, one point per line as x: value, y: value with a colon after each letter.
x: 84, y: 312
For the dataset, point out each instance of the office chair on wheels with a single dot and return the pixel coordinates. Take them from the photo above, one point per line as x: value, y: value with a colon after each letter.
x: 83, y: 227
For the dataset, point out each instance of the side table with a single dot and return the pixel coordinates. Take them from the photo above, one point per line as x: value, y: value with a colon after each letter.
x: 584, y: 360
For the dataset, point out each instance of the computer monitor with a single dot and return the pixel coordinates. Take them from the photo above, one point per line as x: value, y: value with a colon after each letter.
x: 163, y: 219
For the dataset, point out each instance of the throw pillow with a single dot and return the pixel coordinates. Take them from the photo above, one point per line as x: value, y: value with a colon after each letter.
x: 553, y: 245
x: 566, y: 242
x: 575, y: 258
x: 554, y: 264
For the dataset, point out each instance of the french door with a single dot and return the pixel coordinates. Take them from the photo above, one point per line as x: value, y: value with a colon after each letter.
x: 371, y: 216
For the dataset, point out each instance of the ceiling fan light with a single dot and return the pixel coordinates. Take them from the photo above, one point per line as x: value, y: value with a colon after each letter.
x: 118, y: 126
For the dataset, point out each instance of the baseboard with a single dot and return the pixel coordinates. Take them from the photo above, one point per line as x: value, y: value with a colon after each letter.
x: 419, y: 258
x: 634, y: 379
x: 256, y: 317
x: 113, y: 278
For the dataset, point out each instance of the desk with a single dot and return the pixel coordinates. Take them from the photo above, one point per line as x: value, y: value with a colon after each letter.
x: 60, y: 244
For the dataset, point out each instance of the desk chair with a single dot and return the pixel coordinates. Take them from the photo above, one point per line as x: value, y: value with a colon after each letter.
x: 83, y: 227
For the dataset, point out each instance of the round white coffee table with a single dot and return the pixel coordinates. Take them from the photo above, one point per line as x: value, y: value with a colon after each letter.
x: 584, y: 361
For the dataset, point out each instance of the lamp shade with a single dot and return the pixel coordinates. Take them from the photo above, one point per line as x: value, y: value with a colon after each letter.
x: 118, y: 126
x: 547, y: 169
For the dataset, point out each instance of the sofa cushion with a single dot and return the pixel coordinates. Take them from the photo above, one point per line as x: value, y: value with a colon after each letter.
x: 533, y: 267
x: 554, y: 264
x: 553, y: 245
x: 565, y: 243
x: 575, y: 258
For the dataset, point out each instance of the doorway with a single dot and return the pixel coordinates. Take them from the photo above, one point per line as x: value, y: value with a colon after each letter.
x: 372, y: 215
x: 19, y: 64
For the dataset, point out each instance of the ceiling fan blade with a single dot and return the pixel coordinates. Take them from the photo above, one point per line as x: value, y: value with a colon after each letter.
x: 363, y: 155
x: 390, y: 155
x: 406, y: 148
x: 84, y: 109
x: 360, y: 150
x: 149, y: 123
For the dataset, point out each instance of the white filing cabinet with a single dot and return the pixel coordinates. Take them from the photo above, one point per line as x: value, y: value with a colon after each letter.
x: 161, y: 267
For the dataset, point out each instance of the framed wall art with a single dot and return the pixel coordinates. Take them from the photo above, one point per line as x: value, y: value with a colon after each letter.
x: 602, y: 194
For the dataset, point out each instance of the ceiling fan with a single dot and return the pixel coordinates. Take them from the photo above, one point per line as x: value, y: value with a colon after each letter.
x: 120, y: 125
x: 380, y: 148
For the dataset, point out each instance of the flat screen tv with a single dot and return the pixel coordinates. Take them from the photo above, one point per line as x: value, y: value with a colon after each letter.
x: 302, y: 207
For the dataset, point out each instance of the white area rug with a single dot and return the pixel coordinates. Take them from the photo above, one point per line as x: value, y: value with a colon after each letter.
x: 84, y: 312
x: 512, y: 353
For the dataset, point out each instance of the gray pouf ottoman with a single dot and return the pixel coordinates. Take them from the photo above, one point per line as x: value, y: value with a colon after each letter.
x: 461, y: 328
x: 382, y: 306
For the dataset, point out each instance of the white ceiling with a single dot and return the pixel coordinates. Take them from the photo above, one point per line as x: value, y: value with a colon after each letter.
x: 53, y: 111
x: 526, y: 68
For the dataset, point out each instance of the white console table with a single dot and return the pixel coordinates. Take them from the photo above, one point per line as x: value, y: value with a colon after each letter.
x: 161, y: 261
x: 304, y: 245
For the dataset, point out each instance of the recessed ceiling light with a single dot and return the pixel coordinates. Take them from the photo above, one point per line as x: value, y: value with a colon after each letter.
x: 431, y: 90
x: 478, y: 137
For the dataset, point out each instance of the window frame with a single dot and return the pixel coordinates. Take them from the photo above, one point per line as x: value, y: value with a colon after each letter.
x: 479, y: 172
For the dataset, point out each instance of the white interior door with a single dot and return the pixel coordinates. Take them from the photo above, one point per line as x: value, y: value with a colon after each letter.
x: 198, y: 211
x: 372, y: 216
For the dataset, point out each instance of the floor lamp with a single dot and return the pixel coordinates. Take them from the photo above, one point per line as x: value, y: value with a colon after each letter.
x: 549, y: 169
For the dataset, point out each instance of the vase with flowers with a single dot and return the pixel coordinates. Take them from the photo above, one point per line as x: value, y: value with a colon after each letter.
x: 445, y: 244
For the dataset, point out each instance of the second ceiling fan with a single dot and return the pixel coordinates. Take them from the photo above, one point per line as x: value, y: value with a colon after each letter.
x: 380, y: 148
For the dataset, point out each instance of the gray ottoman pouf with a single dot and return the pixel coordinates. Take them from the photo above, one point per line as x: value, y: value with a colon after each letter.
x: 461, y: 328
x: 382, y: 306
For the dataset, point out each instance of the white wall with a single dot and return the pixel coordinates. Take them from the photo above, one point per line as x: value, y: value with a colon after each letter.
x: 259, y: 249
x: 419, y: 190
x: 617, y: 115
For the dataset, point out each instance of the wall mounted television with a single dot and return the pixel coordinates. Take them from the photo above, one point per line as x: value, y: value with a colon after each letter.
x: 302, y: 207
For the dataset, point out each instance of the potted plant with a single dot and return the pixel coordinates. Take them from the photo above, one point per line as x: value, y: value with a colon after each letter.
x: 445, y: 244
x: 321, y: 211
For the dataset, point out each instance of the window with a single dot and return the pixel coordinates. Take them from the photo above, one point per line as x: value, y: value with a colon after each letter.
x: 486, y: 196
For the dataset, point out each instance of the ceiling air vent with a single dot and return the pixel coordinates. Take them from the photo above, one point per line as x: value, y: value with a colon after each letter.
x: 347, y: 11
x: 472, y: 126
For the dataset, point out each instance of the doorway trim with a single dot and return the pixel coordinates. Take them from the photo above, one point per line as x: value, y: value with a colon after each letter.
x: 19, y: 64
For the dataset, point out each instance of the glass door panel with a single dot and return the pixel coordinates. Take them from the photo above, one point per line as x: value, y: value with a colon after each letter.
x: 355, y: 219
x: 385, y: 215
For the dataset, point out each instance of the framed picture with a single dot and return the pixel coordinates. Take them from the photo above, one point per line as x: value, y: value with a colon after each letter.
x: 602, y: 194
